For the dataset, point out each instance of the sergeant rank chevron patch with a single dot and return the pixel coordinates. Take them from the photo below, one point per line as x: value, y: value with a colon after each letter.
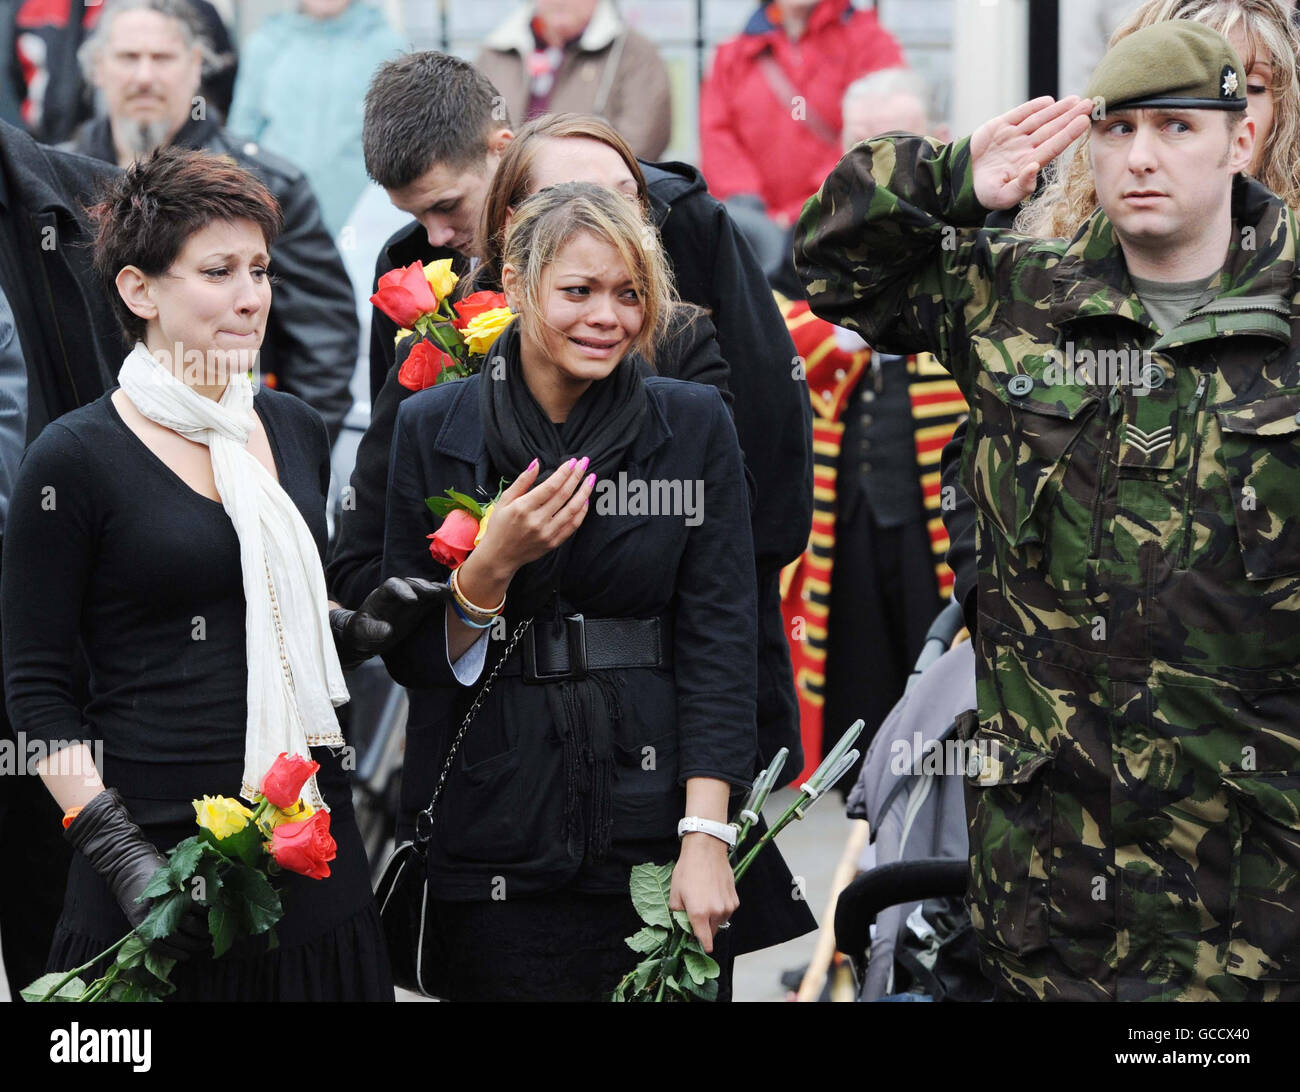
x: 1148, y: 442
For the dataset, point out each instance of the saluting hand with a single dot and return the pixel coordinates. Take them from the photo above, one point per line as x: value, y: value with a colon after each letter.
x: 1008, y: 152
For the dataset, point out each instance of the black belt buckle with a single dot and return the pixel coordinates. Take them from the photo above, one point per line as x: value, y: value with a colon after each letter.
x: 575, y: 633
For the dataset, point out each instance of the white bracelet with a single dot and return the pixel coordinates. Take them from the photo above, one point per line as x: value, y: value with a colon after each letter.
x: 693, y: 824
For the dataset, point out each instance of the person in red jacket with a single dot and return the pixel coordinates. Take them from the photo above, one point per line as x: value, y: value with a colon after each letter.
x: 777, y: 87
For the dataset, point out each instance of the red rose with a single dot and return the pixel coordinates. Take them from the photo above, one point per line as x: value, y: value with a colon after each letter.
x: 453, y: 541
x: 423, y: 365
x: 305, y: 847
x: 283, y: 782
x: 404, y: 295
x: 476, y: 304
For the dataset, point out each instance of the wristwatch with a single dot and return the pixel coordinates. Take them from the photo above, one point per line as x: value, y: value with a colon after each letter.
x: 693, y: 824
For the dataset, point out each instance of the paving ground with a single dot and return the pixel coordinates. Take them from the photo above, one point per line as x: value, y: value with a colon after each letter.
x: 812, y: 848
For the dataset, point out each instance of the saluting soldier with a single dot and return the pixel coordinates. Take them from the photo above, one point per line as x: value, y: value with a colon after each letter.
x: 1133, y: 453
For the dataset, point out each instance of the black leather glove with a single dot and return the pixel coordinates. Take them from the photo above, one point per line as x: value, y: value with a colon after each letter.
x: 386, y: 617
x: 109, y: 838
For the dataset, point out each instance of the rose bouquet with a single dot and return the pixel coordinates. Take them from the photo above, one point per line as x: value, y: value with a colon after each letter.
x: 676, y: 967
x: 227, y: 869
x: 441, y: 339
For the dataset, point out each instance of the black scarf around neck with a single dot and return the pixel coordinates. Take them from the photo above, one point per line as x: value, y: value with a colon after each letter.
x: 603, y: 425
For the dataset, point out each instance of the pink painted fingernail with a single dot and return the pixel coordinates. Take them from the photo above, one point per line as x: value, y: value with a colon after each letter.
x: 591, y: 480
x: 583, y: 465
x: 532, y: 465
x: 569, y: 465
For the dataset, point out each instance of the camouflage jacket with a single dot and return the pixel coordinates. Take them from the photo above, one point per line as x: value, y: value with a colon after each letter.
x: 1135, y: 807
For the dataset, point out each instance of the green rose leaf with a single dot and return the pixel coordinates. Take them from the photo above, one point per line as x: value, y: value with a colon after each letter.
x: 707, y: 992
x: 159, y: 883
x: 683, y: 920
x: 246, y: 845
x: 650, y: 885
x: 440, y: 506
x: 674, y: 987
x: 185, y: 859
x: 159, y: 966
x: 644, y: 972
x: 252, y: 893
x: 131, y: 953
x: 205, y: 884
x: 221, y: 924
x: 701, y: 967
x: 134, y: 992
x: 164, y: 917
x: 649, y: 939
x: 69, y: 991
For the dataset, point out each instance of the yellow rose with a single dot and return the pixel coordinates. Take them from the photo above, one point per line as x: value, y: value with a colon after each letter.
x: 221, y: 815
x: 440, y: 277
x: 275, y: 816
x: 482, y: 524
x: 484, y: 328
x: 404, y: 332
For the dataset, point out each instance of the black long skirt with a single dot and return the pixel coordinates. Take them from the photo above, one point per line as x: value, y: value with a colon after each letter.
x: 561, y: 946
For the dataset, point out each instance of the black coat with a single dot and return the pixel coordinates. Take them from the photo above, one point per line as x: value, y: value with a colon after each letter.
x: 72, y: 349
x: 312, y: 332
x: 502, y: 813
x: 714, y: 269
x: 69, y: 335
x: 622, y: 566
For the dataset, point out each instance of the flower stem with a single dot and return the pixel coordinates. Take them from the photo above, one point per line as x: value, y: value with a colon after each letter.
x: 100, y: 986
x: 787, y: 817
x: 679, y: 942
x: 84, y: 967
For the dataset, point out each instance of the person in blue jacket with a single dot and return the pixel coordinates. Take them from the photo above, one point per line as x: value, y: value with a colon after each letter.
x: 623, y: 717
x: 301, y: 94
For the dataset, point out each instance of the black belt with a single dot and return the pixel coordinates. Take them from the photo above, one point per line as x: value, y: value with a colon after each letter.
x: 588, y: 644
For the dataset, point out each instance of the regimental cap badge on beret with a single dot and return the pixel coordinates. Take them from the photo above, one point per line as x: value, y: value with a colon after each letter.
x: 1177, y: 63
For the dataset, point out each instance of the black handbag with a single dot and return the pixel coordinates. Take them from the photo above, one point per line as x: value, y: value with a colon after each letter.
x: 415, y: 949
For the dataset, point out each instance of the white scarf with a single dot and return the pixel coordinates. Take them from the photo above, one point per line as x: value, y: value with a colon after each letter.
x: 294, y: 677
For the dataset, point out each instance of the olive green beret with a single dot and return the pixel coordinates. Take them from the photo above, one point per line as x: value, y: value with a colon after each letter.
x: 1177, y: 63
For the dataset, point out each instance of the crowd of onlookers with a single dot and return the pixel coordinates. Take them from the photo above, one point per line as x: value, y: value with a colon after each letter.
x: 802, y: 80
x: 295, y: 86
